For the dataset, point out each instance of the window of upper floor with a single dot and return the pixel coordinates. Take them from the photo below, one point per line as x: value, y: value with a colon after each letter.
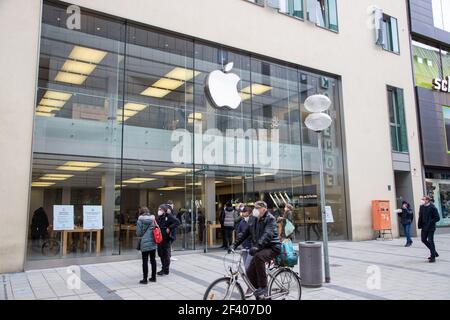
x: 321, y: 12
x: 386, y: 28
x: 441, y: 14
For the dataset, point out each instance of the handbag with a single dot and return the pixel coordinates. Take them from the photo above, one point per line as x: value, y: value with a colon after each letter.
x: 138, y: 246
x: 288, y: 257
x: 289, y: 228
x: 157, y: 236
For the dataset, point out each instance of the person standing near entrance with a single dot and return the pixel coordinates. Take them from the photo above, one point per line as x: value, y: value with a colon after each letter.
x: 147, y: 245
x: 428, y: 216
x: 228, y: 217
x: 174, y: 231
x: 167, y: 223
x: 406, y: 216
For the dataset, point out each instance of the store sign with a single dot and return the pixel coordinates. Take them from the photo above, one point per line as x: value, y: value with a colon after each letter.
x: 92, y: 217
x: 221, y: 88
x: 329, y: 214
x: 63, y: 218
x: 442, y: 85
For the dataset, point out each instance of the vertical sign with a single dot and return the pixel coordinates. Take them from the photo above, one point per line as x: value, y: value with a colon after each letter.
x: 92, y: 217
x: 63, y: 218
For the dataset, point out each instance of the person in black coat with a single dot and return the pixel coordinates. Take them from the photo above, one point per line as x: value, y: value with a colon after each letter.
x: 39, y: 224
x: 428, y: 216
x: 406, y: 216
x: 167, y: 223
x: 266, y: 245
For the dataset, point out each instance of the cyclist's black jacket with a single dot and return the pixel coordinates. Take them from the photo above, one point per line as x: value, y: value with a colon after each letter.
x: 262, y: 232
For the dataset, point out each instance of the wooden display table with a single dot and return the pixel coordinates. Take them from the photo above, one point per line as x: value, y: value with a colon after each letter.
x: 209, y: 231
x: 65, y: 234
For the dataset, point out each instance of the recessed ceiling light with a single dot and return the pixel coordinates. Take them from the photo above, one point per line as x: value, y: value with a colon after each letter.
x: 78, y: 67
x: 170, y: 188
x: 155, y: 92
x: 182, y: 74
x: 45, y: 114
x: 71, y: 78
x: 52, y: 103
x: 56, y: 177
x: 135, y: 106
x: 42, y: 184
x: 47, y: 109
x: 87, y: 54
x: 56, y: 95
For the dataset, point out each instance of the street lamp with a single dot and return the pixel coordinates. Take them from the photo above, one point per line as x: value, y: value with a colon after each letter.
x: 319, y: 121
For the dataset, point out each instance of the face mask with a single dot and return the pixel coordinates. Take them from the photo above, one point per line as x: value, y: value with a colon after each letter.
x: 152, y: 218
x: 256, y: 213
x: 160, y: 212
x: 422, y: 202
x: 246, y: 219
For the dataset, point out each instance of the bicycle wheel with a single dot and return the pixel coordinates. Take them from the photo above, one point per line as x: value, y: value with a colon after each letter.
x: 285, y: 285
x: 221, y: 290
x: 50, y: 248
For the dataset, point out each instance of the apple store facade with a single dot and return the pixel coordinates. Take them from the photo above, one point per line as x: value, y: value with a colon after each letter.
x: 123, y: 121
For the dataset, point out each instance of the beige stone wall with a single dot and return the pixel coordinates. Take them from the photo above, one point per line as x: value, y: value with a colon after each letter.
x: 365, y: 70
x: 19, y: 38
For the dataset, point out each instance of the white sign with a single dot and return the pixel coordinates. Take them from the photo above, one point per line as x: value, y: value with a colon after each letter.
x: 92, y: 217
x: 221, y: 88
x: 329, y: 214
x: 63, y: 218
x: 442, y: 84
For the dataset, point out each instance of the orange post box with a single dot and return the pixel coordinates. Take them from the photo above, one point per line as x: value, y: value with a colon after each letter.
x: 381, y: 215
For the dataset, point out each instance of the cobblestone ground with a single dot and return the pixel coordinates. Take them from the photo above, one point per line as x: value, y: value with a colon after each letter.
x: 404, y: 274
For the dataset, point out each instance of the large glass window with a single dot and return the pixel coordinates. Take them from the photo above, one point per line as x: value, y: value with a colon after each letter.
x: 399, y: 136
x: 441, y: 14
x: 427, y: 64
x: 123, y: 121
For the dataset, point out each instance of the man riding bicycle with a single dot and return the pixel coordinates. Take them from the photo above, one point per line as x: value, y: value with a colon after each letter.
x: 266, y: 245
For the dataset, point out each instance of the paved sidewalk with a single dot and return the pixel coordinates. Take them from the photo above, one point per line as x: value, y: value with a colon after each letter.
x: 404, y: 274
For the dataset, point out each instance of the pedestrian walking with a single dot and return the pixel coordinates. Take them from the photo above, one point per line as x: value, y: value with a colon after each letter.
x: 168, y: 223
x: 428, y: 216
x: 406, y: 217
x: 228, y: 218
x: 146, y: 244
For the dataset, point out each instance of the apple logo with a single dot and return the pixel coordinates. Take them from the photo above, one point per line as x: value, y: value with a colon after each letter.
x: 221, y: 88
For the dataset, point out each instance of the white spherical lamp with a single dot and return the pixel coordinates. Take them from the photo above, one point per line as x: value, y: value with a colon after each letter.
x: 318, y: 121
x: 317, y: 103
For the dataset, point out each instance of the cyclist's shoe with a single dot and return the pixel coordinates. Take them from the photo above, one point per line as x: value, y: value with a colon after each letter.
x: 143, y: 281
x: 260, y: 293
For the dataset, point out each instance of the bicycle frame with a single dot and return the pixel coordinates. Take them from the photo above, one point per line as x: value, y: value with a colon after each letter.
x: 234, y: 277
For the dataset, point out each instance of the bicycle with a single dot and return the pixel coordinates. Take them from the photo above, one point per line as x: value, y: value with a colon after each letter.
x: 51, y: 246
x: 279, y: 283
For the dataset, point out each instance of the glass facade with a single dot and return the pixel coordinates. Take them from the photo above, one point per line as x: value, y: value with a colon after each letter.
x: 123, y: 121
x: 430, y: 62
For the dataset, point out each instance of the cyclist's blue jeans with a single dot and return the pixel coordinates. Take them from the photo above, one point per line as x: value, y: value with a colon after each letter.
x: 407, y: 229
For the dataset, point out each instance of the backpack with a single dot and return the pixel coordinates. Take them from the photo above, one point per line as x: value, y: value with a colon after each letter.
x: 157, y: 236
x: 288, y: 257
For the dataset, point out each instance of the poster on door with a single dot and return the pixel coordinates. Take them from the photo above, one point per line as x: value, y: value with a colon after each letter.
x: 329, y: 214
x: 63, y: 218
x: 92, y: 217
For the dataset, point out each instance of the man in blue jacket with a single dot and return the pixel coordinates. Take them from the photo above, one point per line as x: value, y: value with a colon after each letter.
x: 428, y: 216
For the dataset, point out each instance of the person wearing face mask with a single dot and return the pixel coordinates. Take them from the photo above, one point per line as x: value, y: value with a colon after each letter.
x: 428, y: 216
x: 147, y: 245
x: 406, y: 216
x: 167, y: 223
x: 242, y: 226
x: 266, y: 245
